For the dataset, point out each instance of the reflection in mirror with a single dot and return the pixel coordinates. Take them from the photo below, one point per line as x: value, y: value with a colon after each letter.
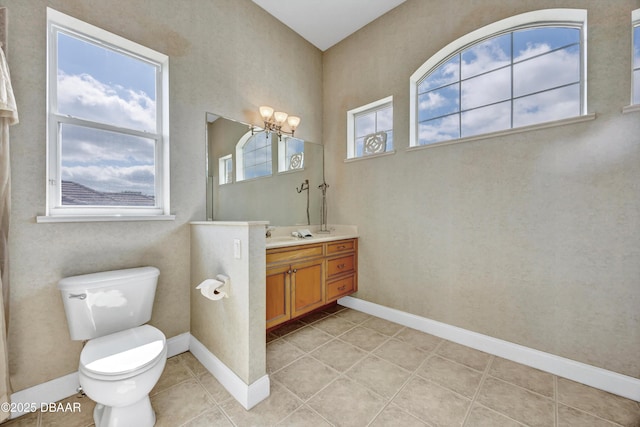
x: 252, y: 175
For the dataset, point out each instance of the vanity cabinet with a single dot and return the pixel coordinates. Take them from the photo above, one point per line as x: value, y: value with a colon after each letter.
x: 303, y: 278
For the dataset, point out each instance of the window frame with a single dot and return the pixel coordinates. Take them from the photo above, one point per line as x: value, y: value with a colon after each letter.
x: 634, y: 104
x: 351, y: 118
x: 244, y: 139
x: 546, y: 17
x: 58, y: 22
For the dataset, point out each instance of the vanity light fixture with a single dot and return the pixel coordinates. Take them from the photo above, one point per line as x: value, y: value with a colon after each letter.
x: 274, y: 120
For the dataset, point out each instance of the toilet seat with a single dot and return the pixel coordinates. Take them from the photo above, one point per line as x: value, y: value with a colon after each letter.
x: 123, y: 354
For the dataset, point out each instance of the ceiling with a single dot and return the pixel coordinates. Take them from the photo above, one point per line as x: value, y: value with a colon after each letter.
x: 326, y: 22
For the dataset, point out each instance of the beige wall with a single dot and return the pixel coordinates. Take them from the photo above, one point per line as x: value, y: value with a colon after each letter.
x: 533, y: 237
x: 226, y: 56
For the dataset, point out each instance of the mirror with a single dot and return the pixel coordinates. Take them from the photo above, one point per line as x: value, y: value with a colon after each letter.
x: 279, y: 196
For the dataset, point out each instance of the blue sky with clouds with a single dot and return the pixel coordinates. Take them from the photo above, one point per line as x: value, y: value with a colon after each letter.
x: 106, y: 86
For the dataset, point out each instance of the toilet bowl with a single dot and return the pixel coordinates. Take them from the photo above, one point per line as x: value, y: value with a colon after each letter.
x: 124, y: 357
x: 119, y: 370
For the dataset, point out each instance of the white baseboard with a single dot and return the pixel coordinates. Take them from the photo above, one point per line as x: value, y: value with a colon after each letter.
x: 63, y: 387
x: 599, y: 378
x: 247, y: 395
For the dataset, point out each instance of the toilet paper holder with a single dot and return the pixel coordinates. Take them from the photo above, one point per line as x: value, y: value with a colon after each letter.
x: 215, y: 289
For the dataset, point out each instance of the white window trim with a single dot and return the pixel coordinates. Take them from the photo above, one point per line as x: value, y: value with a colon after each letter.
x: 57, y: 213
x: 282, y: 159
x: 577, y: 17
x: 635, y: 21
x: 222, y: 170
x: 351, y: 114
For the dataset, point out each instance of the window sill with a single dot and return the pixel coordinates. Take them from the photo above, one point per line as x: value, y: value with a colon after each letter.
x: 102, y: 218
x: 631, y: 108
x: 370, y: 156
x: 555, y: 123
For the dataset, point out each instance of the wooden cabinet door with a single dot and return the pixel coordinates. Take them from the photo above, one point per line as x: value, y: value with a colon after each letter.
x: 307, y: 287
x: 278, y: 295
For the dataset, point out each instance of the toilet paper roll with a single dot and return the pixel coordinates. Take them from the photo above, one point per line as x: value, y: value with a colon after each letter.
x: 210, y: 289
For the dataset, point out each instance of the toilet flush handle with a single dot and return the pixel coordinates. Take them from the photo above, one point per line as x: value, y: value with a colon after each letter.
x: 78, y: 296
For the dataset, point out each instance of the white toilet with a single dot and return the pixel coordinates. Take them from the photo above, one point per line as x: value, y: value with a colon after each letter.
x: 123, y: 358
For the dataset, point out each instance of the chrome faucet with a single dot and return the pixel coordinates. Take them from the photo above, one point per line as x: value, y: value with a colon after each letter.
x: 268, y: 230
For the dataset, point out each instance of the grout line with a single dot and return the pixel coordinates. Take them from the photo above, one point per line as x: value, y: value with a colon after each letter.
x: 485, y: 373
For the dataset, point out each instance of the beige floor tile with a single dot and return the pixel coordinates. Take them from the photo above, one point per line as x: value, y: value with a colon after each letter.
x: 354, y: 316
x: 175, y: 371
x: 484, y: 417
x: 383, y: 326
x: 451, y: 375
x: 275, y: 408
x: 475, y: 359
x: 27, y: 420
x: 338, y: 354
x: 305, y: 377
x: 214, y: 388
x: 418, y: 339
x: 280, y: 353
x: 600, y: 403
x: 517, y: 403
x: 394, y: 416
x: 364, y: 338
x: 212, y: 418
x: 379, y: 375
x: 401, y: 354
x: 271, y: 337
x: 524, y: 376
x: 570, y: 417
x: 346, y: 403
x: 180, y: 403
x: 432, y: 403
x: 334, y: 325
x: 308, y: 338
x: 192, y: 363
x: 74, y: 412
x: 304, y: 417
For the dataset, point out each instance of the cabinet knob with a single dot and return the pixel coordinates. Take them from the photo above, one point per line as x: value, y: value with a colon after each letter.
x: 295, y: 270
x: 342, y: 288
x: 289, y: 272
x: 340, y: 265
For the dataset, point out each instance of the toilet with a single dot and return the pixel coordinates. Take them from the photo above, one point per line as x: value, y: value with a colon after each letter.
x: 123, y: 357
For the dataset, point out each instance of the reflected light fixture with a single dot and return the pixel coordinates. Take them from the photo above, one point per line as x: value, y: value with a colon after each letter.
x: 275, y: 120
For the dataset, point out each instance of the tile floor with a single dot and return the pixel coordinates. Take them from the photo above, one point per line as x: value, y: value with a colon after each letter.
x: 346, y: 368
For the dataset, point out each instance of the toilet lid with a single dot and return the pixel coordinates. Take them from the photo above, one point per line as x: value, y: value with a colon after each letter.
x: 124, y: 351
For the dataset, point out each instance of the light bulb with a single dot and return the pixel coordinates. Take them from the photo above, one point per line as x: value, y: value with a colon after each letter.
x: 280, y: 117
x: 293, y: 121
x: 266, y: 112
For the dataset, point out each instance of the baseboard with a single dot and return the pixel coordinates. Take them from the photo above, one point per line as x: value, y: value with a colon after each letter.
x: 247, y: 395
x: 63, y: 387
x: 599, y: 378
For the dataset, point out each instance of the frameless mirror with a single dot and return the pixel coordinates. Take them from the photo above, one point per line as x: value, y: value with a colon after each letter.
x: 256, y: 176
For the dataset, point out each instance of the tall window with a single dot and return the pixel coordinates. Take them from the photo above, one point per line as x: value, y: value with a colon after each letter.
x: 635, y: 97
x: 500, y: 77
x: 370, y: 129
x: 225, y: 169
x: 108, y: 133
x: 253, y: 156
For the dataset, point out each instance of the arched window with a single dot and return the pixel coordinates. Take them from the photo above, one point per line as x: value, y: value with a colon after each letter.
x: 253, y: 156
x: 521, y: 71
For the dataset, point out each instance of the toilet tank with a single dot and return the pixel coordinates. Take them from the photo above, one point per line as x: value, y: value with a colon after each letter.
x: 99, y: 304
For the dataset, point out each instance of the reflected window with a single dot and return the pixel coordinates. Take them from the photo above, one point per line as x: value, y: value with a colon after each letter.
x: 512, y: 77
x: 635, y: 97
x: 290, y: 154
x: 108, y: 142
x: 225, y: 169
x: 370, y: 129
x: 253, y: 156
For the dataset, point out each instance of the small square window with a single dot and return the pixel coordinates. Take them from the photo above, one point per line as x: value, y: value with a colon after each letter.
x: 370, y: 129
x: 225, y: 169
x: 290, y: 154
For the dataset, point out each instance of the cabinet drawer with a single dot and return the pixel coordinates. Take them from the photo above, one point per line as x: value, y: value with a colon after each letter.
x: 340, y: 287
x: 342, y: 246
x: 293, y: 254
x: 340, y: 265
